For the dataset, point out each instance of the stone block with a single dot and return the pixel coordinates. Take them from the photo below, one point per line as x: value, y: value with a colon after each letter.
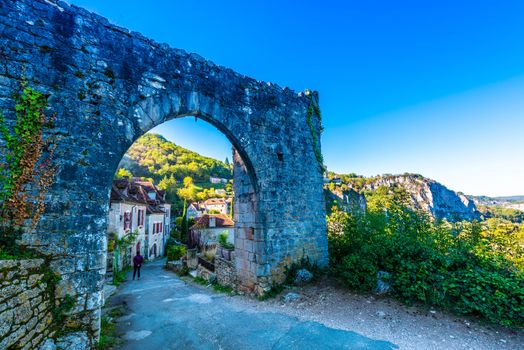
x: 7, y: 264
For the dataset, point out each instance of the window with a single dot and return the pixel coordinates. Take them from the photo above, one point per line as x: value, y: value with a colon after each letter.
x: 127, y: 220
x: 140, y: 217
x: 157, y: 227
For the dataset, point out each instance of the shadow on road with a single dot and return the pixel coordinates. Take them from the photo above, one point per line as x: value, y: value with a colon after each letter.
x: 163, y: 312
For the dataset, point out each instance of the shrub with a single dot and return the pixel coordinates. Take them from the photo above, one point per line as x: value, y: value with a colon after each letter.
x: 175, y: 234
x: 470, y: 268
x: 209, y: 255
x: 176, y: 252
x: 111, y: 245
x: 222, y: 239
x: 303, y: 263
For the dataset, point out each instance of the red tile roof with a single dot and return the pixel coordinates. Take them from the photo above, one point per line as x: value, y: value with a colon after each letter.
x: 137, y: 191
x: 215, y: 201
x: 221, y: 220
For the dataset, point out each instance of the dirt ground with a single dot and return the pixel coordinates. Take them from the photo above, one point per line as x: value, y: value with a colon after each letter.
x: 384, y: 318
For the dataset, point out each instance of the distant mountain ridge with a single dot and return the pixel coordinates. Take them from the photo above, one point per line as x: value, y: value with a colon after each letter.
x: 424, y: 194
x: 508, y: 207
x: 486, y: 200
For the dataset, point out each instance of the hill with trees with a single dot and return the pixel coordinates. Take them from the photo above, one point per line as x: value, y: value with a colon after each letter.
x: 182, y: 173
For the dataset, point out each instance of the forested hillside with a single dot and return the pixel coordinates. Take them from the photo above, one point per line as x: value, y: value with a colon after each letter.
x: 184, y: 174
x: 153, y: 156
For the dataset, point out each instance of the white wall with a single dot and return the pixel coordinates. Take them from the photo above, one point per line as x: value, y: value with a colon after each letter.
x: 116, y: 225
x: 156, y: 238
x: 211, y: 234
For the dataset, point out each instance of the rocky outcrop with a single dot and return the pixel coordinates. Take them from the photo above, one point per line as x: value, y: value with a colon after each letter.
x: 430, y: 196
x: 348, y: 199
x: 425, y: 194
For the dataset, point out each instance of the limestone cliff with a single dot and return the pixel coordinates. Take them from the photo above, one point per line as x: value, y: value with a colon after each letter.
x: 348, y: 199
x: 425, y: 194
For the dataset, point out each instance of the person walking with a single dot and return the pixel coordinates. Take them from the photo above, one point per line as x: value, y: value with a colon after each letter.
x: 137, y: 263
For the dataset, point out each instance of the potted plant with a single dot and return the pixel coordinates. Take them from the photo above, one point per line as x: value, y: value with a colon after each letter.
x: 225, y: 248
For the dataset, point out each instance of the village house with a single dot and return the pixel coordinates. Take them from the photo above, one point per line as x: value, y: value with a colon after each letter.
x: 138, y: 207
x: 217, y: 180
x: 216, y: 205
x: 206, y: 229
x: 194, y: 211
x: 126, y: 217
x: 336, y: 180
x: 158, y: 218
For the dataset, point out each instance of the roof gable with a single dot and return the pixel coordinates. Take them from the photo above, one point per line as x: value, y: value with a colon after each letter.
x: 221, y: 220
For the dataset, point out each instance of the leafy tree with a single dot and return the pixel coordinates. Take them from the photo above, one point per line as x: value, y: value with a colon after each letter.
x: 123, y: 172
x: 188, y: 181
x: 189, y: 192
x: 167, y: 183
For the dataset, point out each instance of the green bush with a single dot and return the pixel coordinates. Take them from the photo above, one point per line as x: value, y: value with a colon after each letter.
x: 175, y: 234
x: 222, y: 239
x: 176, y: 252
x: 119, y: 277
x: 470, y: 268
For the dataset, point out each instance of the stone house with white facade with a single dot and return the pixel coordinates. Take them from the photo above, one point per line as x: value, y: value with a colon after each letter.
x: 137, y: 206
x: 217, y: 180
x: 194, y: 210
x: 206, y: 229
x: 213, y: 205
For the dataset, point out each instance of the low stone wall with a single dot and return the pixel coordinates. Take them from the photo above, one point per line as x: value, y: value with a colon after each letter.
x: 225, y: 271
x: 204, y: 273
x: 25, y: 308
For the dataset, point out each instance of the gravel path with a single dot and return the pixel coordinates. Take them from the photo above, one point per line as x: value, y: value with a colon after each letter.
x: 384, y: 318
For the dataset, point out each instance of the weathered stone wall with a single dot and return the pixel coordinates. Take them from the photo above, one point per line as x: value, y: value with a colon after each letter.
x: 108, y: 86
x: 25, y: 308
x: 226, y: 272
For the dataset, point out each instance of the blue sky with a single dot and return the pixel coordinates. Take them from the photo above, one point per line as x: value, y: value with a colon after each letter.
x: 435, y: 88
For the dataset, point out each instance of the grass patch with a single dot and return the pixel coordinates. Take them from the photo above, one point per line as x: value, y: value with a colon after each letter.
x: 222, y: 289
x: 120, y: 276
x: 116, y: 313
x: 108, y: 336
x: 216, y: 287
x: 200, y: 280
x: 183, y: 272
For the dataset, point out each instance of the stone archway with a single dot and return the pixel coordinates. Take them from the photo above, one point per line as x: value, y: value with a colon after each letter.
x: 109, y: 86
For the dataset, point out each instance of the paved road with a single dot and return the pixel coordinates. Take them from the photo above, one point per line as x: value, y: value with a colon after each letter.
x: 163, y: 312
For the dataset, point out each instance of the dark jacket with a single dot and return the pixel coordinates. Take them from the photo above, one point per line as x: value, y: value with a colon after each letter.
x: 138, y: 260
